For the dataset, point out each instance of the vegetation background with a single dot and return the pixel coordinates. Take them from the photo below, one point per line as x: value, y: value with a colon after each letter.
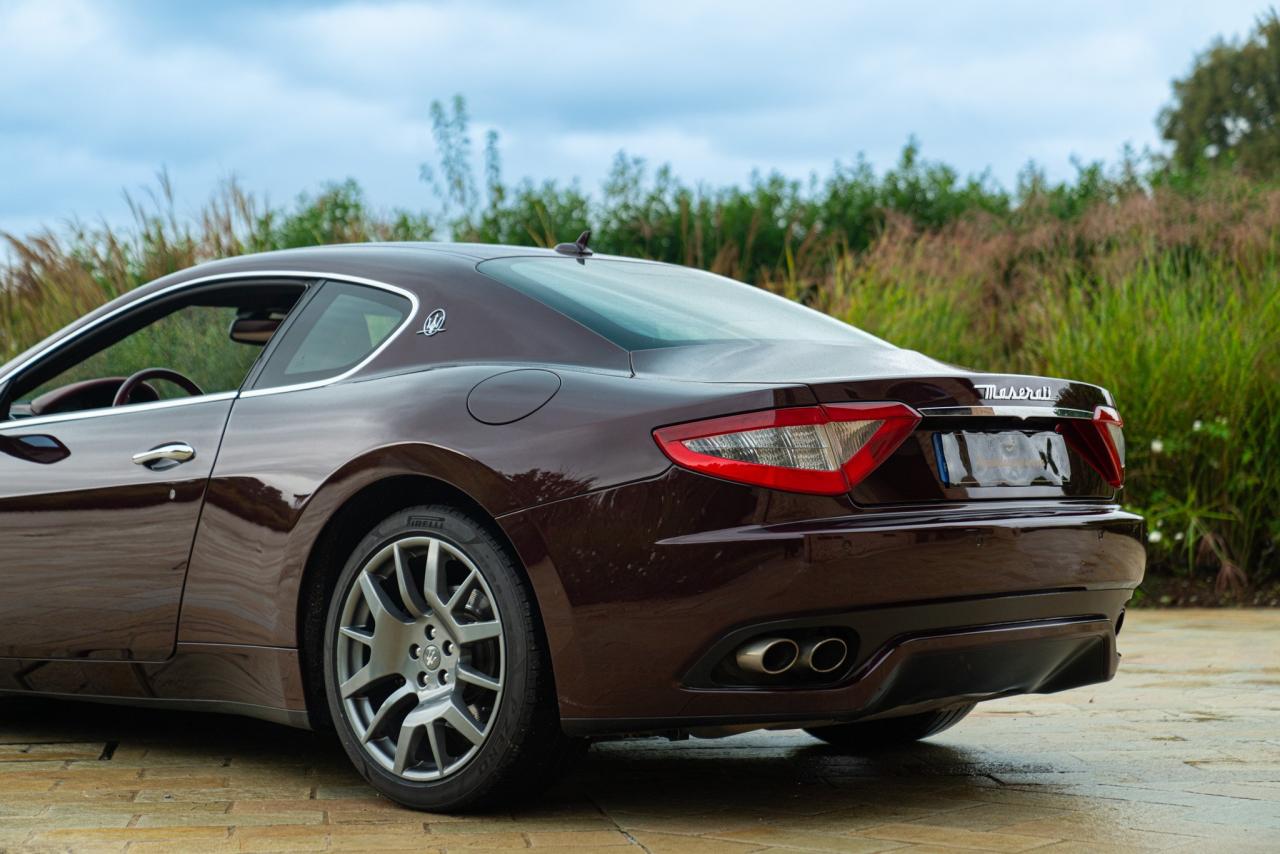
x: 1157, y: 277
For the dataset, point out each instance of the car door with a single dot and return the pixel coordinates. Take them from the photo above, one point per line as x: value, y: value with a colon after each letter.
x: 94, y: 546
x: 99, y: 505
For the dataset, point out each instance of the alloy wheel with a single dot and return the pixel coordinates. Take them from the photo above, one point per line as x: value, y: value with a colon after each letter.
x: 419, y: 658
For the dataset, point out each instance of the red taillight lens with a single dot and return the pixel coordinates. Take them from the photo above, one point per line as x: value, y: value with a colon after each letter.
x: 1100, y: 442
x: 824, y: 450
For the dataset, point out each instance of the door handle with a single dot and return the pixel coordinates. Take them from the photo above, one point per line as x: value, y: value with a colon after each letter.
x: 165, y: 456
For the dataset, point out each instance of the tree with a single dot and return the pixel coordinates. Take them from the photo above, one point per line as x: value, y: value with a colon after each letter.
x: 1226, y: 110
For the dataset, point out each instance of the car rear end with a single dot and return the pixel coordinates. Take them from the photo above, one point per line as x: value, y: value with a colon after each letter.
x: 983, y: 553
x: 897, y: 535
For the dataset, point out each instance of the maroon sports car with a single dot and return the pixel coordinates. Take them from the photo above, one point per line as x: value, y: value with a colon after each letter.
x: 474, y: 506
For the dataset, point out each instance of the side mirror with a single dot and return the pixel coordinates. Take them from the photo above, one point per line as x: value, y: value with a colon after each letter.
x: 255, y: 327
x: 44, y: 450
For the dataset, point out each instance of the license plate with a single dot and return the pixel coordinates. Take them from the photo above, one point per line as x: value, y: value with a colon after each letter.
x: 1009, y: 458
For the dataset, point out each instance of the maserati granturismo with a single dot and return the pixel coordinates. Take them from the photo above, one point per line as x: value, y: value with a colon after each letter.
x: 472, y: 507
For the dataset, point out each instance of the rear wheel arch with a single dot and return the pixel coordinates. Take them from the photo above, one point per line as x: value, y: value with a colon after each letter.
x: 342, y: 532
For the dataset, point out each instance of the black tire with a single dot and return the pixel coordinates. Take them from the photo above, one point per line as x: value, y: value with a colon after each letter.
x: 524, y: 749
x: 887, y: 733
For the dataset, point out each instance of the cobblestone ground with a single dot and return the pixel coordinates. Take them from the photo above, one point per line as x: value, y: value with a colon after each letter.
x: 1180, y: 753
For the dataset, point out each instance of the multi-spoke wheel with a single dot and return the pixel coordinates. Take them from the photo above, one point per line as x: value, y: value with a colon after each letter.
x: 420, y: 657
x: 435, y: 667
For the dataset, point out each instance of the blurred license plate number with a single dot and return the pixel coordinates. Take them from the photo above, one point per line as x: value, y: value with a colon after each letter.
x: 1009, y: 458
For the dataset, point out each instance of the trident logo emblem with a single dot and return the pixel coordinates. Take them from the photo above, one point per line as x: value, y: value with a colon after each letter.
x: 434, y: 323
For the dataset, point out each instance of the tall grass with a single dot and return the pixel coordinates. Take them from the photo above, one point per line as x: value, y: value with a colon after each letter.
x: 1167, y: 293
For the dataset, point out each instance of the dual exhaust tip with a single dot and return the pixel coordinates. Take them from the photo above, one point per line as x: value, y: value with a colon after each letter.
x: 775, y: 656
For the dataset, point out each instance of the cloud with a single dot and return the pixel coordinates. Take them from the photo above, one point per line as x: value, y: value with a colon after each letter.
x: 96, y: 96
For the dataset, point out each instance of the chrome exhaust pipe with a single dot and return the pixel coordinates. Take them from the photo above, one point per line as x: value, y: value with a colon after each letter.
x: 770, y: 656
x: 825, y: 655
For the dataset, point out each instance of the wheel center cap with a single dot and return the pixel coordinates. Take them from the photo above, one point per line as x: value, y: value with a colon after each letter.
x: 431, y: 657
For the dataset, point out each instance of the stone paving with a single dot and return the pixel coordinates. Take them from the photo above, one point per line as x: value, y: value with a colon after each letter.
x: 1180, y: 753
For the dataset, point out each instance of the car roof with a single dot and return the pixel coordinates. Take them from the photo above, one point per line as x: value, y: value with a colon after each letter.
x: 425, y: 251
x: 405, y: 264
x: 479, y: 251
x: 399, y: 263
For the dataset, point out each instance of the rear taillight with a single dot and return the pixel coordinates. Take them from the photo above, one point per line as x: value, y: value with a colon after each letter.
x: 824, y: 450
x: 1100, y: 441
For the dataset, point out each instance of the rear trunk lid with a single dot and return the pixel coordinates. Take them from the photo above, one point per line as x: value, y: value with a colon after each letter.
x: 982, y: 436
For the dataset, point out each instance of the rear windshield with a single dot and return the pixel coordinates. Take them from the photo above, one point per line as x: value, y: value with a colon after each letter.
x: 642, y: 306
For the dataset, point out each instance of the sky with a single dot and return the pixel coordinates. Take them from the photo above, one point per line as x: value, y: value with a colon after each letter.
x: 97, y: 96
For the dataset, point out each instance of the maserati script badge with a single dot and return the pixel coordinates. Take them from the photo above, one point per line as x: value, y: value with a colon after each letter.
x: 1013, y: 392
x: 434, y: 323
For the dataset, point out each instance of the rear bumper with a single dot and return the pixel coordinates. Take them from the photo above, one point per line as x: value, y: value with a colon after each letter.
x: 916, y: 671
x: 946, y: 604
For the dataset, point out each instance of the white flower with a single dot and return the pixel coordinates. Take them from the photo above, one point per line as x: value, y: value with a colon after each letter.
x: 1196, y: 425
x: 1178, y: 536
x: 1155, y: 537
x: 1157, y: 446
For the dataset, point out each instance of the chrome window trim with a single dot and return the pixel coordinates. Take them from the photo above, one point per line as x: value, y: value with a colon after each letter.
x: 355, y: 280
x: 1007, y: 411
x: 309, y: 275
x: 38, y: 420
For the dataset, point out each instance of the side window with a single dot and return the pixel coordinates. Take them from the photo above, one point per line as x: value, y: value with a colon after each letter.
x: 205, y: 341
x: 333, y: 333
x: 192, y: 341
